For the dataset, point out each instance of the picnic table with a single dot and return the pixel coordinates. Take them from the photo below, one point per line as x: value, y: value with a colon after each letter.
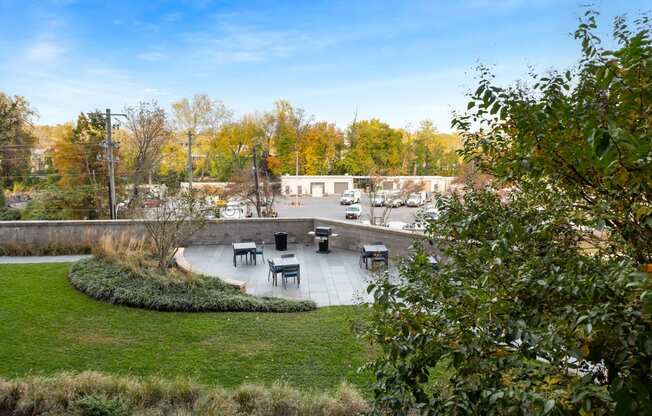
x: 375, y: 252
x: 246, y: 249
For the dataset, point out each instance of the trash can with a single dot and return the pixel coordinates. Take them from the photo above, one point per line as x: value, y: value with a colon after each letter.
x: 281, y: 241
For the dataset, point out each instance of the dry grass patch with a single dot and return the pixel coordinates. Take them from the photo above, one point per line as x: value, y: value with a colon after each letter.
x: 92, y: 393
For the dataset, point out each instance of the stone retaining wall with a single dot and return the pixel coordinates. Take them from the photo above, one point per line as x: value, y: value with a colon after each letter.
x: 42, y: 235
x: 353, y: 236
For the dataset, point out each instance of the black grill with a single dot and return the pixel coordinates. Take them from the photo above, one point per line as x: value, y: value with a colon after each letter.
x: 323, y: 231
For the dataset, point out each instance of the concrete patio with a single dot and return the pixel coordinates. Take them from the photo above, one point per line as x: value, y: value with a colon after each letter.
x: 328, y: 279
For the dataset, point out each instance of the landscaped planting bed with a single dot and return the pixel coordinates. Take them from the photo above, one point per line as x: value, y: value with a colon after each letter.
x: 123, y: 285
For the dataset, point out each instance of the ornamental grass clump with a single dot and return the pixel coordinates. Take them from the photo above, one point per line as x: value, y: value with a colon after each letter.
x: 97, y: 394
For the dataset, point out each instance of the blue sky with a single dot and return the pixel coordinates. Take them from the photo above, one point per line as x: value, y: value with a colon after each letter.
x: 401, y: 61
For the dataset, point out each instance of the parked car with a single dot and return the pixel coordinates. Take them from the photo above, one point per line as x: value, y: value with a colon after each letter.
x: 378, y: 200
x: 352, y: 196
x: 431, y: 213
x: 353, y: 212
x: 394, y: 200
x: 396, y: 225
x: 151, y: 202
x: 417, y: 227
x: 416, y: 199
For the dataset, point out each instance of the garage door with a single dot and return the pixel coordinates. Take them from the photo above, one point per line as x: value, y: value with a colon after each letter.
x: 388, y: 185
x: 341, y: 187
x: 317, y: 189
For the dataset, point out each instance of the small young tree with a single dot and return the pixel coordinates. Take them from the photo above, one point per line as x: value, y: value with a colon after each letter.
x: 176, y: 219
x: 380, y: 215
x: 242, y: 185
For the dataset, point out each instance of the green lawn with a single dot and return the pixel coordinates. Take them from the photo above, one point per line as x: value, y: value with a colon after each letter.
x: 46, y: 326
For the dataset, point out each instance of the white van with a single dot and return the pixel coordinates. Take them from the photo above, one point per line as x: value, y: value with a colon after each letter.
x: 350, y: 197
x: 416, y: 199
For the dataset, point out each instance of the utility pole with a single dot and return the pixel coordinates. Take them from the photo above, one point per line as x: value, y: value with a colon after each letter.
x: 256, y: 182
x: 111, y: 167
x: 109, y: 145
x: 190, y: 160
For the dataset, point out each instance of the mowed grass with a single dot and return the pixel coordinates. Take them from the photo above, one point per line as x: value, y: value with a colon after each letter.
x: 46, y: 326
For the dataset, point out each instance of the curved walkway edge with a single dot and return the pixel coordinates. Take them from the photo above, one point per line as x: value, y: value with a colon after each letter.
x: 42, y: 259
x: 185, y: 265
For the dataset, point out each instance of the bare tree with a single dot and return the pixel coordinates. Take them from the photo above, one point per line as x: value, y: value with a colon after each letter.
x: 376, y: 189
x: 148, y: 133
x: 242, y: 185
x: 201, y: 115
x: 176, y: 219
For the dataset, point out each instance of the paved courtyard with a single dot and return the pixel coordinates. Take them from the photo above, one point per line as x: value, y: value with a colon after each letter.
x: 328, y: 279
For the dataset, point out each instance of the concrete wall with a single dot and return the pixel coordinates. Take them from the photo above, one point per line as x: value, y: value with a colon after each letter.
x: 52, y: 234
x: 256, y: 229
x: 49, y: 234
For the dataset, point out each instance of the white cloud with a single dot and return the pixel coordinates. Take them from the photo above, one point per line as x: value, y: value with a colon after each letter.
x: 44, y: 51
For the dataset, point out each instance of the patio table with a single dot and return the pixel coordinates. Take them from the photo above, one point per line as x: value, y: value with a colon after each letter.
x: 375, y: 251
x: 284, y: 263
x: 243, y: 248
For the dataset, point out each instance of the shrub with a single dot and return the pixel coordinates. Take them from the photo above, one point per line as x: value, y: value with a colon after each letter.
x: 8, y: 214
x: 98, y: 405
x: 12, y: 248
x: 147, y: 288
x: 96, y: 394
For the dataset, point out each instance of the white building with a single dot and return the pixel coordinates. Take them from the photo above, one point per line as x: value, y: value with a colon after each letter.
x: 319, y: 186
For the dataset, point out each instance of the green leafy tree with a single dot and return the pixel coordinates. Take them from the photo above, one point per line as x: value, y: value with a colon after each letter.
x: 16, y: 139
x: 586, y: 132
x: 78, y: 157
x: 374, y: 147
x: 540, y: 305
x: 289, y: 126
x: 432, y: 152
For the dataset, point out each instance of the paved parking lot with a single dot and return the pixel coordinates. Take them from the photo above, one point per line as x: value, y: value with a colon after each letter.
x: 329, y: 207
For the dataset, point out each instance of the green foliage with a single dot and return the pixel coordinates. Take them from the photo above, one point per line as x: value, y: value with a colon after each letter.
x: 98, y: 405
x: 374, y: 147
x: 9, y: 214
x: 64, y: 203
x: 585, y: 132
x: 96, y: 394
x: 540, y: 306
x: 525, y: 319
x: 16, y: 138
x: 431, y: 152
x: 121, y: 285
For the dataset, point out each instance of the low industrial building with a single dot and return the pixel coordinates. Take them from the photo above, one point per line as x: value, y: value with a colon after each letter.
x: 318, y: 186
